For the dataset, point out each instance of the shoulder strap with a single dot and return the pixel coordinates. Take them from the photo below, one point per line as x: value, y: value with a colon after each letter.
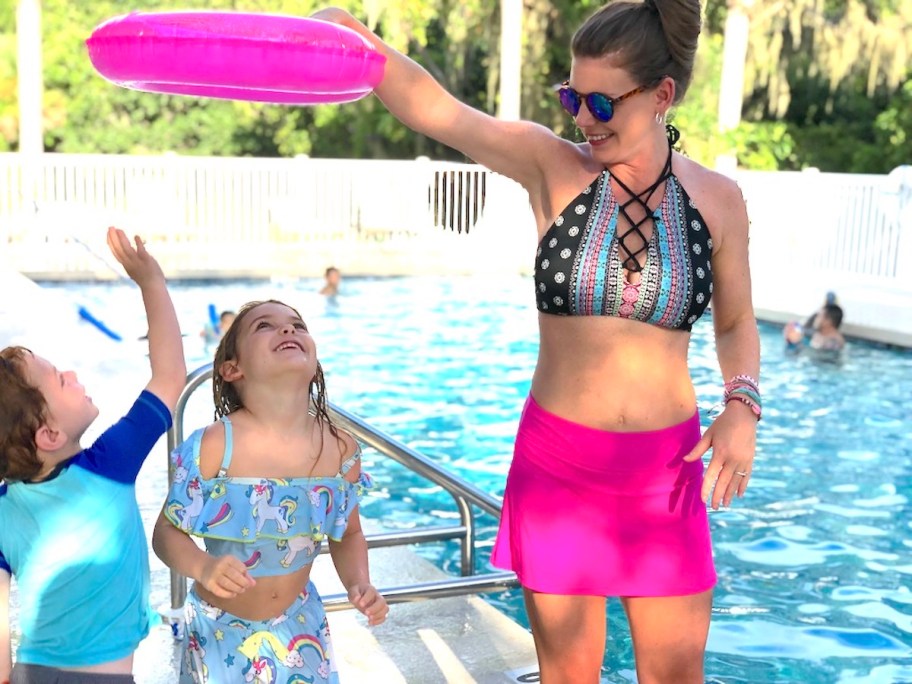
x: 226, y: 459
x: 351, y: 460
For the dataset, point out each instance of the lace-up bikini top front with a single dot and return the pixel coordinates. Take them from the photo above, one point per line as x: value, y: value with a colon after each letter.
x: 275, y: 526
x: 580, y: 271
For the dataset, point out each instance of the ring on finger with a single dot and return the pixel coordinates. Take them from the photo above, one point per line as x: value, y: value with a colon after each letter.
x: 741, y: 473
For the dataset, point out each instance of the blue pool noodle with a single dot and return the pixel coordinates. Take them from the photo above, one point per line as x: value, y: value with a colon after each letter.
x: 89, y: 318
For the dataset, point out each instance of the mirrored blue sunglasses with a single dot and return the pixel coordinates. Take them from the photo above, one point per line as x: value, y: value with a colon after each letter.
x: 601, y: 106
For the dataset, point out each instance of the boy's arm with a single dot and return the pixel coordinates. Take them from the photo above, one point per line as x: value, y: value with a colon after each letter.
x: 122, y: 449
x: 166, y: 349
x: 224, y: 576
x: 6, y: 658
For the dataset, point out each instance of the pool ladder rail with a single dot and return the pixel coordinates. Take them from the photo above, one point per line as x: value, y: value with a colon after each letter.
x: 464, y: 494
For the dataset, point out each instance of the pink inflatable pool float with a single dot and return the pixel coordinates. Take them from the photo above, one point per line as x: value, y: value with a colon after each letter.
x: 236, y: 56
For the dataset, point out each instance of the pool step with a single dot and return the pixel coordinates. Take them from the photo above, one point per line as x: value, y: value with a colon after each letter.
x: 456, y: 640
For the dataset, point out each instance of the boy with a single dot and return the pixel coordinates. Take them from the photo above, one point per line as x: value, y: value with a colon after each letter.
x: 70, y: 529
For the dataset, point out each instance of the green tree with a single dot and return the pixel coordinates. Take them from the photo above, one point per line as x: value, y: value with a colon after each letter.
x: 829, y: 70
x: 91, y: 114
x: 823, y: 84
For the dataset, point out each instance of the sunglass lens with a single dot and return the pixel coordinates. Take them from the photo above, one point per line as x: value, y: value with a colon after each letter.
x: 569, y: 100
x: 601, y: 107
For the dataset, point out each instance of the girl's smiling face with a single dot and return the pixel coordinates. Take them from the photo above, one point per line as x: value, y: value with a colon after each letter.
x: 273, y: 336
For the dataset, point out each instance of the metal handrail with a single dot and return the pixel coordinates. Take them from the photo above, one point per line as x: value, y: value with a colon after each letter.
x: 464, y: 494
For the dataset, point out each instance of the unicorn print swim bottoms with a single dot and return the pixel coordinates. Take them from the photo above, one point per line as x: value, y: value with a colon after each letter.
x: 220, y: 648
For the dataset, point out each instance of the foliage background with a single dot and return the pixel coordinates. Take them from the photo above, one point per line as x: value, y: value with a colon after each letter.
x: 827, y: 84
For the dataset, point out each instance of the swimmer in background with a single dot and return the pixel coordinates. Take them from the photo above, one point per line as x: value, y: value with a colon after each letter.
x: 213, y: 333
x: 820, y: 331
x: 809, y: 324
x: 333, y: 278
x: 826, y: 335
x: 793, y: 333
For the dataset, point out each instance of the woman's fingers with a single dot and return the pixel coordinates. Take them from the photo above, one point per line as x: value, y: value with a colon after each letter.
x: 725, y: 481
x: 700, y: 447
x: 743, y: 476
x: 732, y: 490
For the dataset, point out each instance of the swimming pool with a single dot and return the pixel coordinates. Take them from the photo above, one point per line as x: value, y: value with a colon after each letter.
x: 814, y: 564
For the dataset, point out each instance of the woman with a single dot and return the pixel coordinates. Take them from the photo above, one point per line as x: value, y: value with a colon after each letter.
x: 606, y: 494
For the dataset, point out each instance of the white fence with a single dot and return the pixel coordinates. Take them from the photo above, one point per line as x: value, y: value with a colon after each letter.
x: 810, y: 232
x: 813, y: 232
x: 215, y: 216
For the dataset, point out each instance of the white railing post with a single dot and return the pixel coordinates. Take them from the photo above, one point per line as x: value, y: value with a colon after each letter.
x: 899, y: 188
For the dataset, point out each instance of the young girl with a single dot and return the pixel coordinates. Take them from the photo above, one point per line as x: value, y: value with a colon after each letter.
x: 263, y: 486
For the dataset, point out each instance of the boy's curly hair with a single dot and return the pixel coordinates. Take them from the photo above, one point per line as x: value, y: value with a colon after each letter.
x: 23, y: 410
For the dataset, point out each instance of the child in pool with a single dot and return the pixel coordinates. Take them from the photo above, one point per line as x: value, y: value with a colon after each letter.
x: 263, y: 486
x: 72, y: 533
x: 212, y: 333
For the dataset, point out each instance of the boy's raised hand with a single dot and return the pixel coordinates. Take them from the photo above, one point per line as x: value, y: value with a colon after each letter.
x: 166, y: 351
x: 138, y: 263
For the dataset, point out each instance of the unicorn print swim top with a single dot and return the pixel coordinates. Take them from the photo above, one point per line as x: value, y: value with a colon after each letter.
x: 579, y: 270
x: 275, y: 526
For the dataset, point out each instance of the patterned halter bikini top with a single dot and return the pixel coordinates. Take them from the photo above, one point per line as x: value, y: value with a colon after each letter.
x: 580, y: 271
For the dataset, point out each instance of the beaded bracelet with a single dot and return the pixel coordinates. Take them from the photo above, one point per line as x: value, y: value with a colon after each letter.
x: 742, y: 381
x: 745, y: 389
x: 756, y: 408
x: 745, y: 378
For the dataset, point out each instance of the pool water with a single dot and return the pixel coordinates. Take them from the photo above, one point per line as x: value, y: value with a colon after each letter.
x: 814, y: 563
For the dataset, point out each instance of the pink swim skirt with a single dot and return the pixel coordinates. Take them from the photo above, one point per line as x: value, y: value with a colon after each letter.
x: 601, y: 513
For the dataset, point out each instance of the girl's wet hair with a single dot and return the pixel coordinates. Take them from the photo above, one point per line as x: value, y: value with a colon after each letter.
x: 225, y: 394
x: 23, y: 410
x: 650, y: 39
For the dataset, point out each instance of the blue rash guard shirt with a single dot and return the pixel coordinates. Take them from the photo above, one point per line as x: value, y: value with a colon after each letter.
x: 76, y: 545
